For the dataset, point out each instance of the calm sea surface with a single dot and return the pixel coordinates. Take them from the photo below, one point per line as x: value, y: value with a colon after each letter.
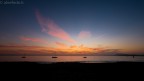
x: 85, y: 59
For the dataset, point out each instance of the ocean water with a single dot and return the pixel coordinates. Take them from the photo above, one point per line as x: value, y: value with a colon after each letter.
x: 82, y: 59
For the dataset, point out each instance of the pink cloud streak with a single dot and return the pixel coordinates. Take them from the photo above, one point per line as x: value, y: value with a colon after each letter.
x: 34, y: 40
x: 49, y: 27
x: 61, y: 45
x: 84, y: 34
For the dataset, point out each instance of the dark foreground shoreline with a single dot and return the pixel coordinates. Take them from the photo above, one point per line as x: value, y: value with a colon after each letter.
x: 72, y: 71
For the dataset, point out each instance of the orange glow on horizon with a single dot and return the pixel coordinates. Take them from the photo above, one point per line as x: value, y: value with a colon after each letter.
x: 48, y: 50
x: 72, y: 50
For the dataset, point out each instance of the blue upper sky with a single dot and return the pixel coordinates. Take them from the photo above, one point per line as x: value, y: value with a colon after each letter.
x: 119, y: 22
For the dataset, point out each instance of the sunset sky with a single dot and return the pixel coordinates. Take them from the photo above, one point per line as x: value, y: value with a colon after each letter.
x: 72, y: 26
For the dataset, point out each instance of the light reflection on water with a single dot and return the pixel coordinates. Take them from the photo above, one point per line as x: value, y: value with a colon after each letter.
x: 82, y: 59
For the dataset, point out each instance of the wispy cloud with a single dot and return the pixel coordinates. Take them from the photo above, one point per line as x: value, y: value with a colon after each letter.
x: 49, y: 27
x: 84, y: 34
x: 61, y: 45
x: 4, y: 49
x: 38, y: 40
